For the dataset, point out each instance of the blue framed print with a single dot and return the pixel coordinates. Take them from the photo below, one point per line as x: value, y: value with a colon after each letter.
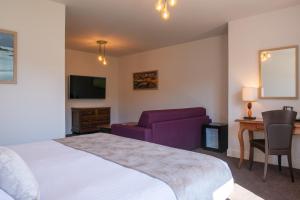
x: 8, y: 56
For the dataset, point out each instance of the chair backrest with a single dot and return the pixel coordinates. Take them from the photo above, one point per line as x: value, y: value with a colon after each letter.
x: 279, y: 126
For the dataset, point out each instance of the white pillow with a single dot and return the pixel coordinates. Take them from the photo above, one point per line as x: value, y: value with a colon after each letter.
x: 5, y: 196
x: 16, y: 179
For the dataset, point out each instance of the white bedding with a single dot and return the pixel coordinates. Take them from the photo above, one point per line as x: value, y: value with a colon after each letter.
x: 68, y: 174
x: 64, y: 173
x: 4, y: 196
x: 191, y: 175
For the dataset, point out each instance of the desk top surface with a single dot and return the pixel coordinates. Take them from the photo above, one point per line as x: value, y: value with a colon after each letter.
x: 260, y: 121
x: 255, y: 121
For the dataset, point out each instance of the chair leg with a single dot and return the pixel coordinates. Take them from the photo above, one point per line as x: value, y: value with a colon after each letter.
x: 291, y: 166
x: 279, y: 163
x: 266, y: 167
x: 251, y: 155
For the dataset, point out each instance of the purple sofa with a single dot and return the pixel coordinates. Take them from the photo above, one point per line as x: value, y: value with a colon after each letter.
x: 179, y: 128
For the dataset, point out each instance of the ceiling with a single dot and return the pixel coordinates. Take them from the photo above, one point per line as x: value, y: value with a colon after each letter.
x: 132, y: 26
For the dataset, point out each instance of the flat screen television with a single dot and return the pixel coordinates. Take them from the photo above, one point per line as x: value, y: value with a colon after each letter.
x: 86, y: 87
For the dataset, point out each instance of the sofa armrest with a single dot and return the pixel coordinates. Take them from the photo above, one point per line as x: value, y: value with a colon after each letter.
x: 130, y: 131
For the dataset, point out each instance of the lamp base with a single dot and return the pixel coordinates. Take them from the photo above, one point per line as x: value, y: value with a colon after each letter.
x: 250, y: 118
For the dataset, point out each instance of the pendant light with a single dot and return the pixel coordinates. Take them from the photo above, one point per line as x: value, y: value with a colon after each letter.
x: 102, y: 51
x: 162, y: 7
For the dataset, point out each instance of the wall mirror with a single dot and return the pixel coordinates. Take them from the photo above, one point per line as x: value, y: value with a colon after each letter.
x: 278, y: 69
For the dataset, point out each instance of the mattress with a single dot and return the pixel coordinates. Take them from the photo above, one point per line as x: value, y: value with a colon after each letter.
x: 66, y: 173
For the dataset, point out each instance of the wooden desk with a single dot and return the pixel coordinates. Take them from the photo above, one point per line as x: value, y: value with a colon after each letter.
x: 251, y: 126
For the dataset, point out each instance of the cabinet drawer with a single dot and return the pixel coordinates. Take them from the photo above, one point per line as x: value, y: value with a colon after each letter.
x: 89, y: 123
x: 94, y: 118
x: 87, y: 112
x: 103, y: 112
x: 87, y: 118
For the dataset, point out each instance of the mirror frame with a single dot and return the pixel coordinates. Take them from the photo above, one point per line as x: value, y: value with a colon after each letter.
x: 296, y: 47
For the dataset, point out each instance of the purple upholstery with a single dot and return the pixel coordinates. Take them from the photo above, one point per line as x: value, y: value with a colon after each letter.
x: 135, y: 132
x: 179, y: 128
x: 149, y: 117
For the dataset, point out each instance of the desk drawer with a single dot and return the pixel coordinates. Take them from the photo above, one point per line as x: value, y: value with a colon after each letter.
x: 260, y: 127
x: 252, y: 126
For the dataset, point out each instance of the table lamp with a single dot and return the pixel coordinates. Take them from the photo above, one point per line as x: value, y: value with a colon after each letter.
x: 249, y: 95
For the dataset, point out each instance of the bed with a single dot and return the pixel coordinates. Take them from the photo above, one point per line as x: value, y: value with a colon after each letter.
x: 108, y: 167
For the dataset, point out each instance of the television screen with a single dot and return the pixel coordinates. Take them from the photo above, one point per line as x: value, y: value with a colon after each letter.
x: 85, y: 87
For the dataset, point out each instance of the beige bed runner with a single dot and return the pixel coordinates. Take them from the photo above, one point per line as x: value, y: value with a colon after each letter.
x: 192, y: 176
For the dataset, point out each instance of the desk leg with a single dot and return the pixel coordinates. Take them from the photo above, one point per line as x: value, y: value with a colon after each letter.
x: 241, y: 141
x: 251, y: 152
x: 250, y: 135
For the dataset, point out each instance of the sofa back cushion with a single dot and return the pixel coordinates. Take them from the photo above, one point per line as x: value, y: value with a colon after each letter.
x: 149, y: 117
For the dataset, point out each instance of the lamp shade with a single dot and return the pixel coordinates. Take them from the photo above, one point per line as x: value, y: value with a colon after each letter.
x: 249, y: 94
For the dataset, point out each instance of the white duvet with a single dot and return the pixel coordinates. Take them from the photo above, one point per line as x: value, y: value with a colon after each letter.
x: 64, y: 173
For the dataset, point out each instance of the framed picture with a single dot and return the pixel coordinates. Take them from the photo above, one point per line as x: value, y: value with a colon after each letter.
x: 145, y: 80
x: 8, y: 56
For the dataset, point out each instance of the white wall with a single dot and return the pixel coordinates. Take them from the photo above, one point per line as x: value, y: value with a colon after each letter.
x: 190, y: 74
x: 87, y: 64
x: 33, y: 109
x: 246, y: 37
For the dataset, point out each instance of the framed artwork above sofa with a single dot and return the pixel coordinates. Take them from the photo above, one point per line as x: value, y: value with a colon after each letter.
x: 145, y: 80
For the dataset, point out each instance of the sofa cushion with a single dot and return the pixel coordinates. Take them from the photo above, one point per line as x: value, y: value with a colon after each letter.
x: 135, y: 132
x: 149, y: 117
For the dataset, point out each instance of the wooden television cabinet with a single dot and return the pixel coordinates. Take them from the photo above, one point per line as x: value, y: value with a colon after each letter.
x: 89, y: 120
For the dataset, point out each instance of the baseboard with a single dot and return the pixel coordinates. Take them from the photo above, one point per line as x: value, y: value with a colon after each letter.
x: 259, y: 157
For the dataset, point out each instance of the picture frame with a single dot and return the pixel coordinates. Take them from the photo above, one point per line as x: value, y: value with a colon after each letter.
x: 8, y: 57
x: 147, y: 80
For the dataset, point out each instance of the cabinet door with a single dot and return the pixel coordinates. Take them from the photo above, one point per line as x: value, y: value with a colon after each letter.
x: 212, y: 138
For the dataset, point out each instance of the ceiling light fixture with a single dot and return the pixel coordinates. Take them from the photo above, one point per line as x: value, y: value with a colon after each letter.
x: 264, y: 56
x: 162, y: 7
x: 102, y: 51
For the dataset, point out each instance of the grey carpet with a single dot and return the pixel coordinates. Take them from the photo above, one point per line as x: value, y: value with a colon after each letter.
x: 277, y: 187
